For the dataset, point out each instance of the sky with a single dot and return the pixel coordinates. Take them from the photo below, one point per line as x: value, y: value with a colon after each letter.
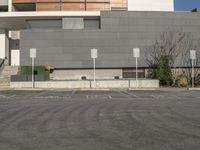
x: 186, y: 5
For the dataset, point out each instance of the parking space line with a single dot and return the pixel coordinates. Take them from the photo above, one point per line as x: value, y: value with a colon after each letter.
x: 41, y: 93
x: 157, y: 96
x: 3, y: 96
x: 109, y: 96
x: 87, y: 96
x: 7, y: 96
x: 98, y: 96
x: 131, y: 94
x: 72, y: 93
x: 177, y: 97
x: 124, y: 94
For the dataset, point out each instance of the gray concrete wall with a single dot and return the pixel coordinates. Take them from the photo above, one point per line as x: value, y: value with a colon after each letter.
x: 99, y: 84
x: 72, y: 23
x: 120, y: 32
x: 77, y: 74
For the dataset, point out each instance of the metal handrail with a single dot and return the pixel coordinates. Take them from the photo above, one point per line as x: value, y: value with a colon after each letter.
x: 1, y: 64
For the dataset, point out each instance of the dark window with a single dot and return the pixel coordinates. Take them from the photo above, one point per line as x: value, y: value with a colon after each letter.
x: 44, y: 24
x: 91, y: 24
x: 131, y: 73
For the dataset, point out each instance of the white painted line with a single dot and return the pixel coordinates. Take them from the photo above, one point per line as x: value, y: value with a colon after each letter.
x: 72, y: 94
x: 121, y: 92
x: 43, y: 92
x: 12, y: 96
x: 109, y: 96
x: 157, y: 96
x: 3, y: 96
x: 175, y: 96
x: 7, y: 97
x: 132, y: 94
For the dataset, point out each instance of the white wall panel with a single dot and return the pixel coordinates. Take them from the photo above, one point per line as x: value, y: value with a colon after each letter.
x: 151, y: 5
x: 2, y: 45
x: 3, y: 2
x: 15, y: 57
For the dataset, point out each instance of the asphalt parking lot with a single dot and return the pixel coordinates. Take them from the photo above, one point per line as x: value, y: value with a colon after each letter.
x: 99, y: 120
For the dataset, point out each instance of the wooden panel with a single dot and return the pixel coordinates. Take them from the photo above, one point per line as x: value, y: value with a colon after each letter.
x: 98, y: 9
x: 97, y: 6
x: 48, y: 1
x: 24, y: 1
x: 76, y: 5
x: 118, y: 3
x: 98, y: 1
x: 73, y: 6
x: 73, y: 1
x: 48, y: 6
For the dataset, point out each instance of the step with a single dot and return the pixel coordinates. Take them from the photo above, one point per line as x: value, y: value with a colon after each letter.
x: 4, y: 84
x: 3, y: 76
x: 7, y: 77
x: 2, y: 81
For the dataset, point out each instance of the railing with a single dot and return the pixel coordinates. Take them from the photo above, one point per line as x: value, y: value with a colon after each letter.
x: 1, y: 64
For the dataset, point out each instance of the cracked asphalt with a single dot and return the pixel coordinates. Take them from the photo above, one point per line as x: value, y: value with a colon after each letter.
x: 99, y: 120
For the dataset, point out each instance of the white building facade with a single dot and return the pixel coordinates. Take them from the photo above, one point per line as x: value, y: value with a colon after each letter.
x: 151, y: 5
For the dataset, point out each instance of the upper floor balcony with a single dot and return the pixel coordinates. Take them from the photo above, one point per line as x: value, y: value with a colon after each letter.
x: 68, y: 5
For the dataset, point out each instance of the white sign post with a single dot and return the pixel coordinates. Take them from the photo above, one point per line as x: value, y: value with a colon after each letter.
x: 94, y: 55
x: 136, y: 54
x: 33, y: 56
x: 192, y: 57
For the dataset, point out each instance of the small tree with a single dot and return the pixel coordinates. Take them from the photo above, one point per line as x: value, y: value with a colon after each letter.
x: 166, y: 53
x: 163, y: 71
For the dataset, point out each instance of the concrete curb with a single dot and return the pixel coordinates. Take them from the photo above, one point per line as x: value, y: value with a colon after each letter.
x: 28, y: 89
x: 143, y: 89
x: 194, y: 89
x: 97, y: 89
x: 88, y: 84
x: 173, y: 89
x: 4, y: 87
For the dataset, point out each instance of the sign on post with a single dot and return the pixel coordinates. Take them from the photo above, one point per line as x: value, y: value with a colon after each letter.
x: 192, y: 54
x: 192, y: 57
x: 33, y: 56
x: 136, y: 54
x: 94, y: 52
x: 33, y: 52
x: 94, y: 55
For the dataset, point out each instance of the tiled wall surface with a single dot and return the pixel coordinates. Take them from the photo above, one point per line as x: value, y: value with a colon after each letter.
x: 120, y: 32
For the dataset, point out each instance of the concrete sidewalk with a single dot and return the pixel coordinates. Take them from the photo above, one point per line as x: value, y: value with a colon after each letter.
x: 99, y: 89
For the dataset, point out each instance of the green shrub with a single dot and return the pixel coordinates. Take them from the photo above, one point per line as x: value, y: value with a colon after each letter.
x: 37, y: 70
x: 162, y: 71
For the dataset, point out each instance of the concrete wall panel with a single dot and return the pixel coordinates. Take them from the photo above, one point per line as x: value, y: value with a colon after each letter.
x: 119, y: 33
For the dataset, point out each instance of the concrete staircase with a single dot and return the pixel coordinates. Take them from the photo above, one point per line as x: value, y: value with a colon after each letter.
x: 5, y: 74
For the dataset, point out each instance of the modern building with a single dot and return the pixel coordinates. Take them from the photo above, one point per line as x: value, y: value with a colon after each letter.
x: 64, y: 31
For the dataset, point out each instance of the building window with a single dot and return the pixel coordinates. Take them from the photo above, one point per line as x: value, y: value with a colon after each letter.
x: 131, y: 73
x: 44, y: 24
x: 91, y: 24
